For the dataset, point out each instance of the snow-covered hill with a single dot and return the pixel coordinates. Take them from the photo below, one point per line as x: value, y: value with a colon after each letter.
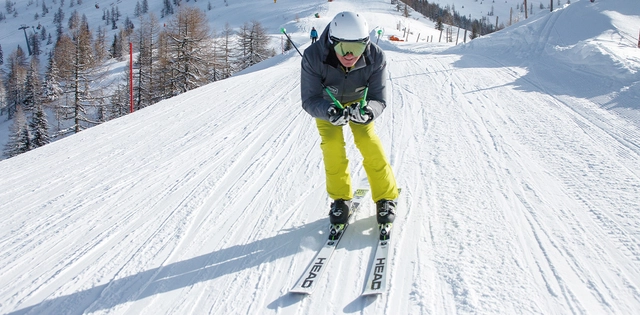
x: 296, y: 16
x: 219, y: 13
x: 518, y: 154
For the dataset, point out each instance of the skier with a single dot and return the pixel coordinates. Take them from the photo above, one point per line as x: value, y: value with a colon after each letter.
x: 345, y: 65
x: 314, y: 35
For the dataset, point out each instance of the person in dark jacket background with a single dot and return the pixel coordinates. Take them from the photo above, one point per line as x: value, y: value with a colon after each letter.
x: 343, y: 82
x: 314, y: 35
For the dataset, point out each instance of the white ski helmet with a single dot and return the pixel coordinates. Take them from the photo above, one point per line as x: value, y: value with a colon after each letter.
x: 349, y: 26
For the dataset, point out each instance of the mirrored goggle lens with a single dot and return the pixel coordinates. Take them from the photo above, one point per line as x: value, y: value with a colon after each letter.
x: 345, y: 48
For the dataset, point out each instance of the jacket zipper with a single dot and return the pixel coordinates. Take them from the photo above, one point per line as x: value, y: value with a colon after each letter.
x: 346, y: 74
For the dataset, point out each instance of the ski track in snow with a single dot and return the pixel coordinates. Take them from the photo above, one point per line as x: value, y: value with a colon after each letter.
x: 517, y: 199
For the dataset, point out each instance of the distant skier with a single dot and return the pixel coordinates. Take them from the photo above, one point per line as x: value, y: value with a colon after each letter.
x: 314, y: 35
x: 346, y: 65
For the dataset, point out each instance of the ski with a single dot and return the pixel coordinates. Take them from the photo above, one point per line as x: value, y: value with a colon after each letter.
x: 307, y: 282
x: 377, y: 278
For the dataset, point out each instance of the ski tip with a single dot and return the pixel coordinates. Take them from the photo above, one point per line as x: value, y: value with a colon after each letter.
x: 360, y: 192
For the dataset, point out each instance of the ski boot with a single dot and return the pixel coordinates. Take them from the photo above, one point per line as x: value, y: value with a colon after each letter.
x: 340, y: 211
x: 386, y: 211
x: 339, y: 217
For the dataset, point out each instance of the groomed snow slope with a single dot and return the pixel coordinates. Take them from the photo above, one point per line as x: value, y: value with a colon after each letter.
x: 521, y: 190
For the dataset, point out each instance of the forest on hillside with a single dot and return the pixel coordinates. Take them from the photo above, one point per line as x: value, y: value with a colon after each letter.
x: 77, y: 89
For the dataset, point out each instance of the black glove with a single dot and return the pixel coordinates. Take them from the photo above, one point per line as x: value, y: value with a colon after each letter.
x: 359, y: 114
x: 337, y: 116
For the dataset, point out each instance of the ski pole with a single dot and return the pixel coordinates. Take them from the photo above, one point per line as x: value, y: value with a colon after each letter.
x: 284, y: 31
x: 335, y: 101
x: 363, y: 101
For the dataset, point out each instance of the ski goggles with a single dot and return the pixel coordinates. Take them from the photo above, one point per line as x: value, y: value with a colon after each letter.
x: 345, y: 47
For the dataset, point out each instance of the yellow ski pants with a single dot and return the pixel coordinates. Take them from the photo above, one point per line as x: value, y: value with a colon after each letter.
x: 379, y: 172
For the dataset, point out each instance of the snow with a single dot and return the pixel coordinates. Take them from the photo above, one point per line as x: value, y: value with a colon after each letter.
x: 518, y: 154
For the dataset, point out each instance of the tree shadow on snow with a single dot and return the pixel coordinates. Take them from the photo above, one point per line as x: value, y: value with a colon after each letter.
x: 179, y: 275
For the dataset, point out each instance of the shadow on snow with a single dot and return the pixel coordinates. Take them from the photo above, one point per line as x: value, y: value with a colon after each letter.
x: 182, y: 274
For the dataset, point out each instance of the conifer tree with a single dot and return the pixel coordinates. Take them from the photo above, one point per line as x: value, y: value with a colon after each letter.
x: 43, y: 33
x: 84, y: 41
x: 137, y: 12
x: 255, y: 45
x: 106, y: 16
x: 243, y: 46
x: 45, y: 10
x: 39, y: 128
x: 215, y: 67
x: 146, y: 63
x: 189, y: 42
x: 227, y: 49
x: 128, y: 26
x: 100, y: 45
x: 475, y: 30
x: 119, y: 102
x: 3, y: 98
x: 33, y: 86
x: 19, y: 138
x: 115, y: 17
x: 163, y: 76
x: 16, y: 78
x: 58, y: 17
x: 35, y: 44
x: 116, y: 47
x: 439, y: 24
x: 74, y: 20
x: 79, y: 71
x: 145, y: 6
x: 167, y: 9
x: 51, y: 85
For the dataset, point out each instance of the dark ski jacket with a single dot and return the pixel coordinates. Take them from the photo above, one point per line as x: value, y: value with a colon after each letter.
x: 321, y: 68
